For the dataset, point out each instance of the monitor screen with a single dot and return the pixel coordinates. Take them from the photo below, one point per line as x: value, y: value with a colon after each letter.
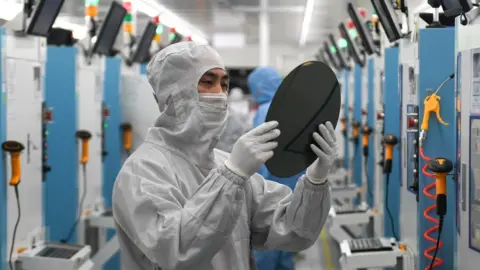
x: 331, y: 58
x: 44, y: 17
x: 388, y: 19
x: 453, y: 8
x: 341, y: 59
x: 109, y: 30
x: 352, y: 46
x: 142, y: 51
x: 365, y: 35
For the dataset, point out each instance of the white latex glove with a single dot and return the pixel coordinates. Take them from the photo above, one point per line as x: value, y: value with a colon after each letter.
x: 253, y: 149
x: 327, y: 154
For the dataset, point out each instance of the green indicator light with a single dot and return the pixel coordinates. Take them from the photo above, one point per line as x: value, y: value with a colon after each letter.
x: 46, y: 132
x: 159, y: 30
x: 333, y: 49
x: 127, y: 18
x: 92, y: 2
x: 342, y: 43
x: 105, y: 126
x: 171, y: 36
x: 352, y: 33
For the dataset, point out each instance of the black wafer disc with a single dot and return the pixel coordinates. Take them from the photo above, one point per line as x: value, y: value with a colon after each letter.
x: 308, y: 96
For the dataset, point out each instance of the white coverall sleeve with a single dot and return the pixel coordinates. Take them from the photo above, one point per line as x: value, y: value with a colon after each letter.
x: 283, y: 220
x: 173, y: 231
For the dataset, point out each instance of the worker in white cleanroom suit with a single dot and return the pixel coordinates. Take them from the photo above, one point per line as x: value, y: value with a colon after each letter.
x: 178, y: 203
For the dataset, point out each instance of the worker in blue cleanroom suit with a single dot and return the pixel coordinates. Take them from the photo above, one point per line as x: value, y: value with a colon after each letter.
x: 263, y: 83
x: 181, y: 204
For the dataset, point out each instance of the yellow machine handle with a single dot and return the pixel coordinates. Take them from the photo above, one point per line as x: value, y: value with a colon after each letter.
x: 85, y: 137
x: 127, y: 136
x: 14, y: 148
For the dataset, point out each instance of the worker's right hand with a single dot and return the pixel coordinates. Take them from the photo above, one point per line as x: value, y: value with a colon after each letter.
x: 253, y: 149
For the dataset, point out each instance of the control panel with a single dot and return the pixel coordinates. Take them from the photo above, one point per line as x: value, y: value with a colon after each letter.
x: 47, y: 118
x: 412, y: 153
x: 105, y: 115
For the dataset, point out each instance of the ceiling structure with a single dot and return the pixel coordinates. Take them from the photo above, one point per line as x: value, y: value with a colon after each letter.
x: 242, y: 17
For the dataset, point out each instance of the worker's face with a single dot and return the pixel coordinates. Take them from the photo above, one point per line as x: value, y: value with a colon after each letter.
x: 214, y: 81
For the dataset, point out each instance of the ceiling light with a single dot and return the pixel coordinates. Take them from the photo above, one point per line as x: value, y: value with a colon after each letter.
x: 307, y: 17
x: 169, y: 19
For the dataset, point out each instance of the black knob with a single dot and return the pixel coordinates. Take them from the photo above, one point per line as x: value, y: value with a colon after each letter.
x: 46, y: 169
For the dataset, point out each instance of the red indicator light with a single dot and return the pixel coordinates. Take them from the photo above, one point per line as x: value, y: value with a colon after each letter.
x: 106, y: 112
x: 48, y: 116
x: 172, y: 30
x: 412, y: 122
x: 364, y: 112
x: 379, y: 116
x: 189, y: 38
x: 350, y: 24
x: 156, y: 20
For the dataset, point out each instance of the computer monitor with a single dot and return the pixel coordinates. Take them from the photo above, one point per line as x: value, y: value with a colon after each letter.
x: 142, y: 51
x: 365, y: 35
x: 388, y: 19
x: 44, y: 17
x: 326, y: 49
x: 453, y: 8
x: 352, y: 46
x: 341, y: 59
x: 109, y: 30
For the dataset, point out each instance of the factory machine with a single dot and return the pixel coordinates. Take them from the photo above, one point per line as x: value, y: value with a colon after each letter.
x: 467, y: 108
x: 25, y: 147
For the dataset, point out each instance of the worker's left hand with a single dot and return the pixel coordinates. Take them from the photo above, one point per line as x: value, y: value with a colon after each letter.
x: 327, y: 153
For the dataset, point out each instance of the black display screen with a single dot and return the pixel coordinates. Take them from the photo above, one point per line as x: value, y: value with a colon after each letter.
x: 142, y: 52
x: 44, y: 17
x: 109, y: 30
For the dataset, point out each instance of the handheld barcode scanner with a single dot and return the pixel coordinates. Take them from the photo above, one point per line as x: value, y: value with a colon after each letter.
x: 126, y: 129
x: 441, y: 167
x: 355, y: 131
x: 390, y: 141
x: 343, y: 121
x: 14, y: 148
x: 366, y: 131
x: 85, y: 137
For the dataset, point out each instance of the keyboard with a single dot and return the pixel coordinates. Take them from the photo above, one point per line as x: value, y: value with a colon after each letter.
x: 369, y: 245
x: 57, y: 252
x: 348, y: 209
x: 107, y: 213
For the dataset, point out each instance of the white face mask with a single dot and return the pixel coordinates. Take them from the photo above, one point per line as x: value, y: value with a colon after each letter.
x: 213, y: 108
x: 217, y: 101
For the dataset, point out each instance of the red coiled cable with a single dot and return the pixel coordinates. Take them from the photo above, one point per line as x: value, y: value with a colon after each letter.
x: 428, y: 251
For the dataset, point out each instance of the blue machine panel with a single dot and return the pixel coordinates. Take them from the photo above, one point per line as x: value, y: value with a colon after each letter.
x: 371, y: 119
x: 357, y: 115
x: 3, y: 184
x: 112, y: 162
x: 143, y: 69
x: 392, y: 97
x: 436, y: 64
x: 60, y: 186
